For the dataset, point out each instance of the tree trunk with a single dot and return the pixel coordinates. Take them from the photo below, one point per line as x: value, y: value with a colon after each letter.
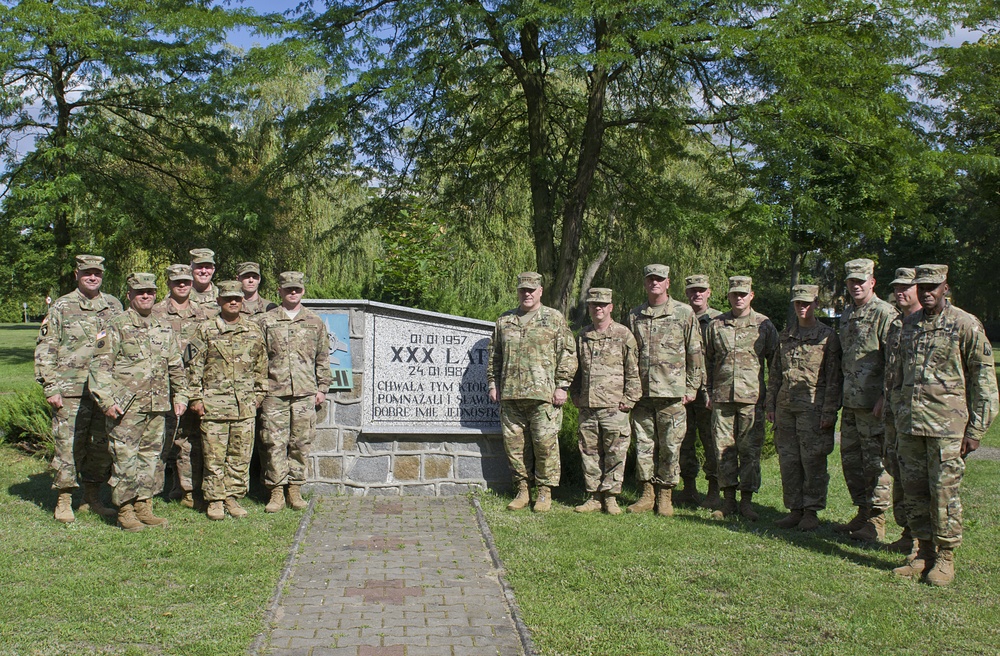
x: 60, y: 221
x: 795, y: 266
x: 580, y: 311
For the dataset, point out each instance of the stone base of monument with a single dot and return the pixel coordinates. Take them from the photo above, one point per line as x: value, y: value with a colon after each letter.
x: 409, y: 413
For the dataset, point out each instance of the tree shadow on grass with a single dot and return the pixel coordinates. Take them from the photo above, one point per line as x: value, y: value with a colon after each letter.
x: 38, y: 491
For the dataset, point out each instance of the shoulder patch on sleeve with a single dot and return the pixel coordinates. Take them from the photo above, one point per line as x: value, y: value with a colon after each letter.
x: 987, y: 349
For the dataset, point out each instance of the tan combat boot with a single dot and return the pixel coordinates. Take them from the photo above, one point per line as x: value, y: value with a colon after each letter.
x: 92, y: 501
x: 234, y: 508
x: 645, y: 501
x: 127, y: 520
x: 920, y: 560
x: 216, y: 511
x: 664, y: 502
x: 64, y: 507
x: 791, y: 520
x: 859, y: 520
x: 873, y: 530
x: 144, y: 513
x: 810, y: 522
x: 746, y: 507
x: 188, y: 499
x: 712, y: 500
x: 592, y: 504
x: 904, y: 544
x: 295, y: 499
x: 689, y: 493
x: 611, y: 504
x: 522, y: 499
x: 543, y: 502
x: 277, y: 500
x: 728, y: 508
x: 943, y: 572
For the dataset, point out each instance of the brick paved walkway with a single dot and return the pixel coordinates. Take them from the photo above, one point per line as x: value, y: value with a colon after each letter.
x: 378, y: 576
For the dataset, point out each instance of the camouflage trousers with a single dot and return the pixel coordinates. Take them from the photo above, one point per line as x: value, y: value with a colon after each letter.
x: 227, y: 445
x: 289, y: 428
x: 932, y: 470
x: 185, y: 451
x: 659, y: 426
x: 136, y: 443
x: 531, y: 439
x: 890, y: 459
x: 738, y: 429
x: 699, y: 426
x: 861, y: 440
x: 604, y: 438
x: 80, y: 433
x: 803, y: 448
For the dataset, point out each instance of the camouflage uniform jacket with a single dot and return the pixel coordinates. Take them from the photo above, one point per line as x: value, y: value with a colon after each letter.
x: 863, y: 335
x: 892, y: 396
x: 206, y: 298
x: 66, y: 341
x: 183, y: 321
x: 228, y: 368
x: 134, y: 360
x: 945, y: 376
x: 298, y: 352
x: 259, y: 305
x: 530, y: 355
x: 736, y: 350
x: 609, y: 368
x: 704, y: 319
x: 807, y: 374
x: 671, y: 360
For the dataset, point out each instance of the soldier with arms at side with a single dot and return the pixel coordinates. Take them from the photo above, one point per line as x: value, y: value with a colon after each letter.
x: 532, y: 361
x: 606, y: 387
x: 135, y: 373
x: 671, y: 368
x: 203, y: 269
x: 62, y: 364
x: 803, y: 397
x: 738, y: 345
x: 947, y: 388
x: 298, y: 351
x: 228, y: 379
x: 864, y: 331
x: 248, y: 273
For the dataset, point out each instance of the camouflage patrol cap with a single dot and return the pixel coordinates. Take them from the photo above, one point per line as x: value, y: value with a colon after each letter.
x: 599, y: 295
x: 230, y: 288
x: 740, y: 284
x: 931, y: 274
x: 697, y: 281
x: 860, y: 269
x: 291, y: 279
x: 904, y: 276
x: 202, y: 256
x: 179, y: 272
x: 137, y: 281
x: 529, y: 280
x: 805, y: 293
x: 84, y: 262
x: 659, y: 270
x: 247, y: 267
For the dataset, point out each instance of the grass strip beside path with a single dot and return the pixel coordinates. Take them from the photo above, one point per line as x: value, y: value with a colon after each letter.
x: 195, y: 588
x: 640, y: 584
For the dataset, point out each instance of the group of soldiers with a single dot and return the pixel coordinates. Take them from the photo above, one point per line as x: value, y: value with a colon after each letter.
x: 915, y: 388
x: 186, y: 381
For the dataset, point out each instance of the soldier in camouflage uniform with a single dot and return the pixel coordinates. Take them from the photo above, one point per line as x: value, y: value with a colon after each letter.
x: 135, y: 372
x: 298, y: 350
x: 671, y: 367
x: 803, y: 397
x: 228, y: 379
x: 62, y: 363
x: 738, y: 345
x: 202, y: 269
x: 248, y: 273
x: 183, y: 441
x: 864, y: 330
x: 699, y: 418
x: 606, y: 387
x: 944, y: 376
x: 904, y: 290
x: 532, y: 360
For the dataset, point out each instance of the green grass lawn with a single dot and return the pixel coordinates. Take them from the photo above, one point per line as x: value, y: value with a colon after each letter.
x: 640, y: 584
x: 17, y: 349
